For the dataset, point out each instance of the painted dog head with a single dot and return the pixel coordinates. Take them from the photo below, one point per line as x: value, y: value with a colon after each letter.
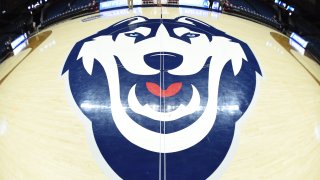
x: 163, y: 95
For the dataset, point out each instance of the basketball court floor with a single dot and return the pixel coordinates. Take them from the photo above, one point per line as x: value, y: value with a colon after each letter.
x: 159, y: 93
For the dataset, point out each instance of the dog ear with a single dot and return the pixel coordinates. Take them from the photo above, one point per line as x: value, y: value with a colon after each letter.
x: 100, y: 48
x: 192, y: 21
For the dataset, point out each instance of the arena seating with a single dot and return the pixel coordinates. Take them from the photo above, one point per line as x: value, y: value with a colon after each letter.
x: 80, y: 3
x: 314, y: 47
x: 241, y: 4
x: 56, y: 9
x: 261, y: 8
x: 253, y: 12
x: 65, y: 9
x: 308, y: 32
x: 256, y: 10
x: 22, y: 24
x: 259, y: 11
x: 4, y: 51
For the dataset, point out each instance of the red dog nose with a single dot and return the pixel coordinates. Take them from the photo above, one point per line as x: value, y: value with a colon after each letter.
x: 172, y: 90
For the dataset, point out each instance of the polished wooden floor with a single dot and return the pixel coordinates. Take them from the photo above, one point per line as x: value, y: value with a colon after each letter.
x: 41, y: 136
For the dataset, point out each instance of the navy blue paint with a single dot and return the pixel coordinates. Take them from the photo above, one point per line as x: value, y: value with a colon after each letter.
x: 132, y: 162
x: 170, y: 60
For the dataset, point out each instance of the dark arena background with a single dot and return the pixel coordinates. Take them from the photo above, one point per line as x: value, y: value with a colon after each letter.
x: 166, y: 89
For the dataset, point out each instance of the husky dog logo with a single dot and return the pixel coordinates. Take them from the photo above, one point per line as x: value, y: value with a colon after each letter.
x: 162, y: 95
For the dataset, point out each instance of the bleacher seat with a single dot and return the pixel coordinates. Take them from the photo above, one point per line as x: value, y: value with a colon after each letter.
x: 262, y: 8
x: 56, y: 9
x: 241, y: 4
x: 65, y: 9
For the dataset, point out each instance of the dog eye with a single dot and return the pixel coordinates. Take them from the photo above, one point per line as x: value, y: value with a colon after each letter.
x: 191, y: 35
x: 133, y: 34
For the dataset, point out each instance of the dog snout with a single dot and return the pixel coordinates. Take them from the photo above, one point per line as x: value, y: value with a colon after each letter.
x: 163, y: 60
